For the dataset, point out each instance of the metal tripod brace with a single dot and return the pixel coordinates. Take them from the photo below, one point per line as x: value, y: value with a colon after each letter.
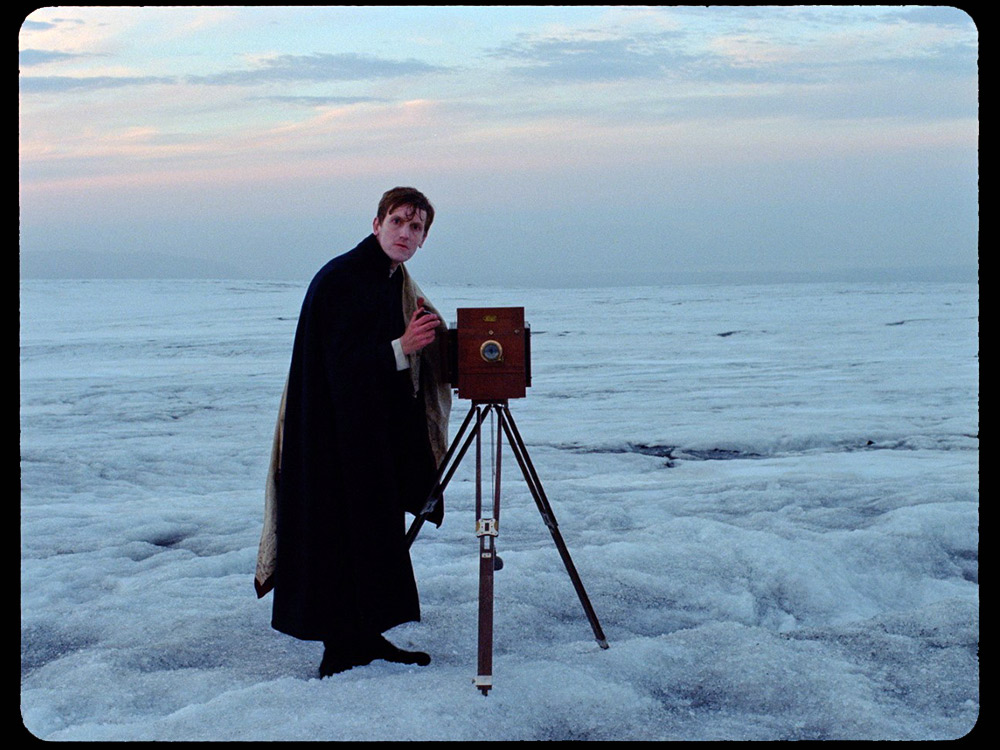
x: 487, y: 524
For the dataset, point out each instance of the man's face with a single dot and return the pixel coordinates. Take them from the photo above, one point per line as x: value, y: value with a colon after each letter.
x: 401, y: 233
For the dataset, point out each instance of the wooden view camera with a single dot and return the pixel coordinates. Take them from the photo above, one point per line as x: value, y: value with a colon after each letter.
x: 487, y: 358
x: 489, y: 353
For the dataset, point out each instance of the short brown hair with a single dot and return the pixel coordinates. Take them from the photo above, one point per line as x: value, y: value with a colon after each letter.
x: 405, y: 196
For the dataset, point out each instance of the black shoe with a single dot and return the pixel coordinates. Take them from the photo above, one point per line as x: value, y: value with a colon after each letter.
x: 385, y: 650
x: 337, y: 658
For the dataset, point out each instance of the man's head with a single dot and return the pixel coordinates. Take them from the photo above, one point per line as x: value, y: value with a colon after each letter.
x: 406, y: 196
x: 404, y: 217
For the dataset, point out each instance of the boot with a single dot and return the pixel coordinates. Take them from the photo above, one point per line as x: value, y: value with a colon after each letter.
x: 339, y: 657
x: 383, y: 649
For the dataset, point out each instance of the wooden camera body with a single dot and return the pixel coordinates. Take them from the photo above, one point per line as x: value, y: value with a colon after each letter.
x: 489, y: 353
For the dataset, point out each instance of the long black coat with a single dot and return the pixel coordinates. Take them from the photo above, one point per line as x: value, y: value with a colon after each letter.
x: 355, y: 456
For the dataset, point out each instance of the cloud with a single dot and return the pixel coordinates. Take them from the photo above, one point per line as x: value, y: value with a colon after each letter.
x: 937, y: 15
x: 806, y: 46
x: 318, y: 67
x: 320, y: 101
x: 30, y: 25
x: 314, y: 68
x: 63, y: 84
x: 594, y: 57
x: 28, y: 57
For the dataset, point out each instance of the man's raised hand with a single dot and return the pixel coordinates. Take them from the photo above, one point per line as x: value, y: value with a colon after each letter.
x: 420, y: 330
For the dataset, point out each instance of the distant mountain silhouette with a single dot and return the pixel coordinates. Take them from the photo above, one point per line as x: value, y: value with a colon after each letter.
x: 70, y: 264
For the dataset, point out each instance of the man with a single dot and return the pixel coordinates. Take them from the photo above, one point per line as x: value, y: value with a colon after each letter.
x: 362, y: 428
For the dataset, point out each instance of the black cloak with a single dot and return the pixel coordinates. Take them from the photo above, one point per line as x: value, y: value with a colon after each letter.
x: 355, y: 455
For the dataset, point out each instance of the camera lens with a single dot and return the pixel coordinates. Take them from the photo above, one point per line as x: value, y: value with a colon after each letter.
x: 491, y: 351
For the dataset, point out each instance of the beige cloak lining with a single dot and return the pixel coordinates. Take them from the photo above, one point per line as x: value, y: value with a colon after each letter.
x: 437, y: 399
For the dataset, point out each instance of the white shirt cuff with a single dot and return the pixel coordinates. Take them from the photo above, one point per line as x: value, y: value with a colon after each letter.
x: 402, y: 363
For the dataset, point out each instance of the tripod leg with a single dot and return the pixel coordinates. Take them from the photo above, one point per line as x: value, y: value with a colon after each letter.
x: 484, y: 665
x: 531, y: 478
x: 486, y: 530
x: 439, y: 485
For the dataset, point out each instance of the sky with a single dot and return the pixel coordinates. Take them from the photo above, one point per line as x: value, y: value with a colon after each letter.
x: 559, y: 145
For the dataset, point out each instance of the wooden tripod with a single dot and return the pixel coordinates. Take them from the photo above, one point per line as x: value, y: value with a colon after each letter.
x: 487, y: 521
